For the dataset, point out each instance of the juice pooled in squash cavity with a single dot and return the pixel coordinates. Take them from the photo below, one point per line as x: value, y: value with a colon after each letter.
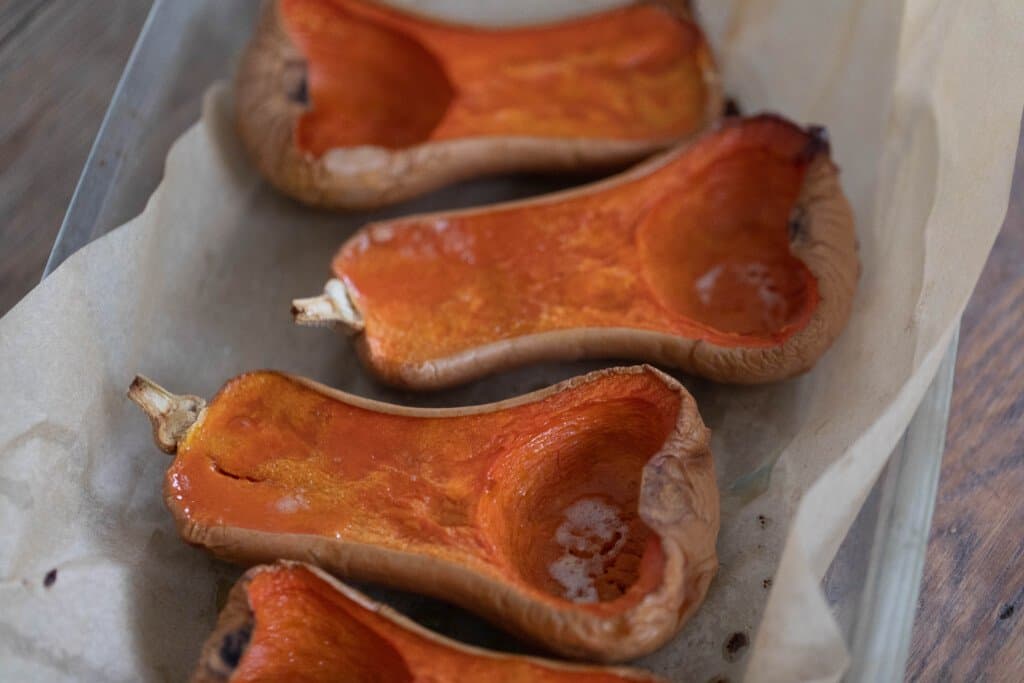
x: 543, y: 494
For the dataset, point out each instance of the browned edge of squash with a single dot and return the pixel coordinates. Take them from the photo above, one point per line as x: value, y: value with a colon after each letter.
x: 678, y: 502
x: 226, y: 644
x: 822, y: 236
x: 272, y: 70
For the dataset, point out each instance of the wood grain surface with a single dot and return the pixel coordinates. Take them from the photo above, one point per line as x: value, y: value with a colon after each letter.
x: 59, y: 63
x: 970, y: 618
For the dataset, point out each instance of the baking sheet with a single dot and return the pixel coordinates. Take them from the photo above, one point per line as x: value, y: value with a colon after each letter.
x: 196, y: 290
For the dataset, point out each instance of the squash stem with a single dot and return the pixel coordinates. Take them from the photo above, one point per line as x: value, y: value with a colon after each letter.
x: 332, y: 308
x: 170, y: 414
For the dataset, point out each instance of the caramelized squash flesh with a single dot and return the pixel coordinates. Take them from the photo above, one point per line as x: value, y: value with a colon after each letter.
x: 294, y: 623
x: 698, y: 247
x: 380, y: 77
x: 543, y: 495
x: 582, y: 517
x: 303, y: 628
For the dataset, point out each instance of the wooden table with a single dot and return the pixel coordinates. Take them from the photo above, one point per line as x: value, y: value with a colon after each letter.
x: 970, y: 617
x: 59, y: 63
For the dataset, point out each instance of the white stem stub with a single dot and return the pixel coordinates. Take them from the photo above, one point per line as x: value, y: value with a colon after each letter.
x: 171, y: 415
x: 332, y: 308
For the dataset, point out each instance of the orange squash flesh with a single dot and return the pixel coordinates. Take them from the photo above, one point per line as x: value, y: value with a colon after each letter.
x: 380, y: 77
x: 582, y: 517
x: 273, y: 455
x: 304, y: 626
x: 699, y: 248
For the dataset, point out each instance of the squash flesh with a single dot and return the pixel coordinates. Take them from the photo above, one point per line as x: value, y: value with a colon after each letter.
x: 492, y: 491
x: 635, y: 73
x: 697, y: 248
x: 306, y: 630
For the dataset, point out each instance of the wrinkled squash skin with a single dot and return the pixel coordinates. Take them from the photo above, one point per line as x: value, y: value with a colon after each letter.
x: 452, y: 102
x: 582, y: 517
x: 733, y: 257
x: 291, y: 622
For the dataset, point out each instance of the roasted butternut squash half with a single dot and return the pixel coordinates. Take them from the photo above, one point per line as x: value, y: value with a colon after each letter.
x: 582, y: 517
x: 293, y: 622
x: 733, y: 257
x: 347, y: 103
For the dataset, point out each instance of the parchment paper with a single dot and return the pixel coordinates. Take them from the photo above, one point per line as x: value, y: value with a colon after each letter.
x: 922, y: 100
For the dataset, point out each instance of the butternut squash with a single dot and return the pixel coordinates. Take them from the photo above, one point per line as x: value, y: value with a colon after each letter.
x: 582, y: 516
x: 349, y: 104
x: 293, y: 622
x: 733, y: 257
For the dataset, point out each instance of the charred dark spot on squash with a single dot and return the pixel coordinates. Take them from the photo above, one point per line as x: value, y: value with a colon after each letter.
x: 296, y: 82
x: 734, y: 646
x: 50, y: 578
x: 797, y: 223
x: 301, y: 93
x: 232, y: 647
x: 817, y: 144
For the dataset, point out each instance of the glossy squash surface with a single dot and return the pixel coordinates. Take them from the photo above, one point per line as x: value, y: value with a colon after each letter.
x: 582, y: 516
x: 732, y: 242
x: 290, y: 622
x: 508, y: 492
x: 377, y: 76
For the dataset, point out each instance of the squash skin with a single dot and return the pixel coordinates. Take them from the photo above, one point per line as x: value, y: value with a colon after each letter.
x: 370, y: 176
x: 677, y: 502
x: 821, y: 242
x: 410, y: 649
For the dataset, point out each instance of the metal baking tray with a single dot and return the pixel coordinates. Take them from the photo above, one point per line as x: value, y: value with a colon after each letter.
x: 185, y: 45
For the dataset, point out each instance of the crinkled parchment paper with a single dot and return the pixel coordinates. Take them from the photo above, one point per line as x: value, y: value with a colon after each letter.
x: 922, y: 100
